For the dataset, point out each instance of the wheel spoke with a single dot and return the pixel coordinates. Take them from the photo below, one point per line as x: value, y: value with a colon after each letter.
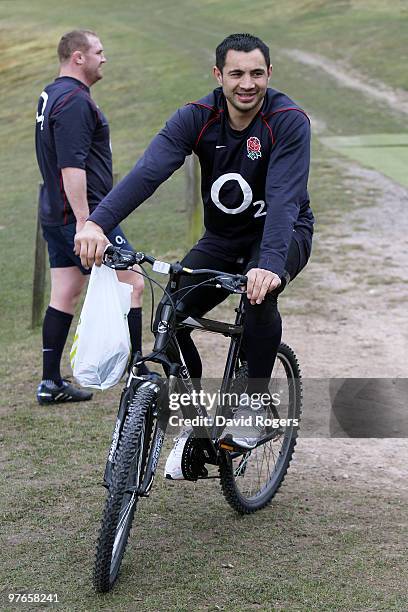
x: 256, y: 476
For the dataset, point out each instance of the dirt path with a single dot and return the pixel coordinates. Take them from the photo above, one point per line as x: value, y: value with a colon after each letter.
x: 397, y: 99
x: 358, y: 326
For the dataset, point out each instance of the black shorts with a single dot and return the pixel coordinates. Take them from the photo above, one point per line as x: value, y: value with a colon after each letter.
x: 203, y: 298
x: 60, y: 243
x: 243, y: 259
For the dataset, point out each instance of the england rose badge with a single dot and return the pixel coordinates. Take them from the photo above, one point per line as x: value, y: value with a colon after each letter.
x: 254, y: 147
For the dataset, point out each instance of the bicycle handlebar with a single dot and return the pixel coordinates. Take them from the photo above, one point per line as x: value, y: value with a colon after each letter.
x: 121, y: 259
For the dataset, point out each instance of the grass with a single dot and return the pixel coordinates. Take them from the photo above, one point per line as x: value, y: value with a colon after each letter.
x: 188, y: 548
x: 313, y: 548
x: 159, y: 57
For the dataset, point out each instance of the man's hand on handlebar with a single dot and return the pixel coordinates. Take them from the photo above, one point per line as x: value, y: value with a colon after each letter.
x: 260, y: 282
x: 90, y: 244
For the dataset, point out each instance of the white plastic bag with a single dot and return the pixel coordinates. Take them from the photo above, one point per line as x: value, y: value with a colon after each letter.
x: 101, y: 347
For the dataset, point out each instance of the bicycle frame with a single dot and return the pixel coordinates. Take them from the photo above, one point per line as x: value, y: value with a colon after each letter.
x: 145, y: 408
x: 167, y: 352
x: 178, y: 368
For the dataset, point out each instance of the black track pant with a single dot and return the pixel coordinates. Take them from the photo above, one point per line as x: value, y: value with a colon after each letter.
x: 262, y: 325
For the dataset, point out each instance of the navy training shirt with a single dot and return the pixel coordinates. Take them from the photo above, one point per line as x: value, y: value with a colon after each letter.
x: 71, y: 132
x: 253, y: 182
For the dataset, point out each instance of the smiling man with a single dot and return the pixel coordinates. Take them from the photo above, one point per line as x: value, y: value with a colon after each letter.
x: 253, y: 145
x: 74, y: 156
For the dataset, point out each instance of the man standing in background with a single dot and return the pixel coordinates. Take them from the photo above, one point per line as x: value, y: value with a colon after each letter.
x: 75, y: 160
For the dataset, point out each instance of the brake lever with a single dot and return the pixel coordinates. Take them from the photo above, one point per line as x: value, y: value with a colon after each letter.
x: 230, y: 284
x: 118, y: 259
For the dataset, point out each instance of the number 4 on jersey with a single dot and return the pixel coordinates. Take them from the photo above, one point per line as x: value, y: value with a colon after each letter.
x: 40, y: 118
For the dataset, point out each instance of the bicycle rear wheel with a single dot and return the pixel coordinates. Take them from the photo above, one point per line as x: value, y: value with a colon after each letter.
x: 250, y: 480
x: 127, y: 475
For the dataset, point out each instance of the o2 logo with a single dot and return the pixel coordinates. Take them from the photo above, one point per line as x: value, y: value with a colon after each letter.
x: 40, y: 118
x: 246, y: 192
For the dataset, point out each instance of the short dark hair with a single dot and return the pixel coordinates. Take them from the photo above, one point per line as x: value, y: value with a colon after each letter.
x: 240, y: 42
x: 76, y: 40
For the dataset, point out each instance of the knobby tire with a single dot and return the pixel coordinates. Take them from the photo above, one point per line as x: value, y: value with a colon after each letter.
x: 120, y: 505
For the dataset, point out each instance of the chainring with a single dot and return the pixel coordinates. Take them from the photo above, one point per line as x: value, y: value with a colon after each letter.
x: 193, y: 459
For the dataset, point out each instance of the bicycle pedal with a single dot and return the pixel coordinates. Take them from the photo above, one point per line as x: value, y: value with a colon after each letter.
x: 226, y: 446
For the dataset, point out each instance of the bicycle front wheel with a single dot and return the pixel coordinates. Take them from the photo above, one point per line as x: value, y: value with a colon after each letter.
x: 127, y: 475
x: 250, y: 480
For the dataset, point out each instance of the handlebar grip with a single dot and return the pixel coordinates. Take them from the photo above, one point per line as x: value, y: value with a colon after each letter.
x: 119, y: 259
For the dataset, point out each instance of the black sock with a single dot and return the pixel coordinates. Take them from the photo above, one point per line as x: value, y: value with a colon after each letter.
x: 135, y: 331
x: 55, y: 332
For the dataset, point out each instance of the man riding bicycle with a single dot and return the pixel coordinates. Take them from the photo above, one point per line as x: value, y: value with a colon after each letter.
x: 253, y: 143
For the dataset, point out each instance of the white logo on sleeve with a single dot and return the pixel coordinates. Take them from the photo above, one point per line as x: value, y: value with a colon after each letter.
x: 246, y: 191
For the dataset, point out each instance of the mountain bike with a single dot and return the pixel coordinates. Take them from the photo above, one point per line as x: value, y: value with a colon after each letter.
x: 249, y: 478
